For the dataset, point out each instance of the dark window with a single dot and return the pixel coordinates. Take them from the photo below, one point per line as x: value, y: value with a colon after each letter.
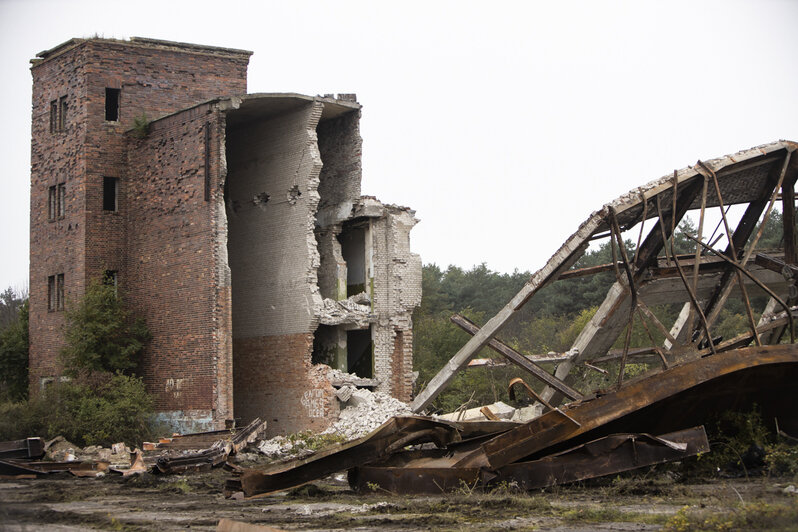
x: 110, y: 278
x: 112, y: 104
x: 61, y: 190
x: 110, y: 193
x: 55, y: 292
x: 52, y: 203
x: 62, y: 113
x: 53, y: 116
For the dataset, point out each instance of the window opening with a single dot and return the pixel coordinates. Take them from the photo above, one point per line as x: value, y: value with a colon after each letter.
x: 359, y: 353
x: 61, y: 200
x: 353, y: 249
x: 53, y: 116
x: 52, y: 203
x: 110, y: 194
x: 51, y: 303
x: 59, y: 286
x: 62, y: 113
x: 112, y: 104
x: 110, y: 278
x: 55, y: 292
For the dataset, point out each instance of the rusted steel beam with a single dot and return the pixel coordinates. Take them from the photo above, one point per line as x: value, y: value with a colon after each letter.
x: 788, y: 219
x: 756, y: 281
x: 407, y: 430
x: 584, y: 272
x: 742, y: 233
x: 605, y: 326
x: 564, y: 258
x: 28, y: 448
x: 79, y: 469
x: 414, y: 473
x: 604, y: 456
x: 247, y: 434
x: 551, y: 429
x: 200, y: 461
x: 776, y: 265
x: 518, y: 359
x: 532, y: 393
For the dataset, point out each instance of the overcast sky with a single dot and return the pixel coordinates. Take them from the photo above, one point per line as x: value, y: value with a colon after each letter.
x: 503, y: 124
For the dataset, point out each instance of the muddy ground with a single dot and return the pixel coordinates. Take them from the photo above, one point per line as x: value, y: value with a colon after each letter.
x: 645, y: 501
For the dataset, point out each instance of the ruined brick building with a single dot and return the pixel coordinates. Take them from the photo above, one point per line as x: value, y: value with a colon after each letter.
x: 232, y: 222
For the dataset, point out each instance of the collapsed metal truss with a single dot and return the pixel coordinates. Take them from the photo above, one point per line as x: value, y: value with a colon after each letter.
x: 704, y: 280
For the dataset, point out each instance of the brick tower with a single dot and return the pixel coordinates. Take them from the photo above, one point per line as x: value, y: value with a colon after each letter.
x: 87, y: 93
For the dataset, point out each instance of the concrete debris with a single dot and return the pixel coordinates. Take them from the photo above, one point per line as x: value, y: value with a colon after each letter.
x: 179, y: 454
x: 365, y: 412
x: 60, y: 450
x: 340, y: 379
x: 345, y: 311
x: 499, y: 409
x: 345, y: 392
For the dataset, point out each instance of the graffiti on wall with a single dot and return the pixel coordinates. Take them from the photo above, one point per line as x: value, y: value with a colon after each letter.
x: 313, y: 401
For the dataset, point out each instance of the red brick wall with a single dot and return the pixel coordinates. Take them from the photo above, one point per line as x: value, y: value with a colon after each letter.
x: 172, y: 275
x: 283, y: 388
x: 55, y: 246
x: 154, y: 80
x: 402, y: 365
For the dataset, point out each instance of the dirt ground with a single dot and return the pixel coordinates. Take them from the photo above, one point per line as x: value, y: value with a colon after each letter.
x: 648, y: 501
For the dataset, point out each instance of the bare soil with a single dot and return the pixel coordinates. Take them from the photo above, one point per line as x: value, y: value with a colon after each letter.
x: 195, y: 502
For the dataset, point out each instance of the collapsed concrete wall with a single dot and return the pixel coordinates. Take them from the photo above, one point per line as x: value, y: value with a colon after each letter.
x: 318, y: 273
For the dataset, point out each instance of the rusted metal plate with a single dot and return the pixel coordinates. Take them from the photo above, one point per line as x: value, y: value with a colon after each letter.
x: 552, y: 429
x: 605, y: 456
x: 20, y: 467
x: 200, y: 461
x: 432, y: 472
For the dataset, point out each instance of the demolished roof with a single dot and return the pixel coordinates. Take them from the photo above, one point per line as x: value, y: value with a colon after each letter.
x: 756, y: 177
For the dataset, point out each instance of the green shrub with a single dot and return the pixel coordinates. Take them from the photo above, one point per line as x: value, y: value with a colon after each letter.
x: 100, y: 334
x: 14, y: 357
x: 94, y: 409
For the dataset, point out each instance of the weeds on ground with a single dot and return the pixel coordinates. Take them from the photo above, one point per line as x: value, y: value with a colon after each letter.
x: 751, y: 516
x: 743, y: 443
x: 310, y: 440
x: 176, y: 486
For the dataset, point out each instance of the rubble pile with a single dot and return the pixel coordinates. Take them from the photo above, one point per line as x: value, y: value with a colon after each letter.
x: 281, y: 447
x: 365, y: 411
